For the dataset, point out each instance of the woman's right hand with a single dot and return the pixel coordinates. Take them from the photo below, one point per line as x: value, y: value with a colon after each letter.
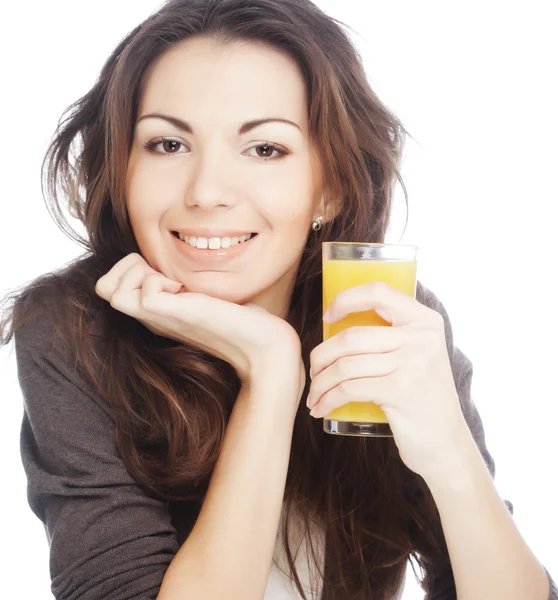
x: 248, y: 337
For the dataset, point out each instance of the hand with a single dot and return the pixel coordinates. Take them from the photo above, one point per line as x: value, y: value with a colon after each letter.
x: 405, y: 369
x: 246, y: 336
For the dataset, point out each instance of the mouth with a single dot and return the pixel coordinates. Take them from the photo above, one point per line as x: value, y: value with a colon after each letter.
x: 209, y: 253
x: 213, y: 243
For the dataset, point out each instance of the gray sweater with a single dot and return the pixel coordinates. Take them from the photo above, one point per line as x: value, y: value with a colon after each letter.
x: 108, y: 539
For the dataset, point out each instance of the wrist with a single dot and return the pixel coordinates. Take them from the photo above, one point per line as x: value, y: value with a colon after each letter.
x: 272, y: 398
x: 272, y: 391
x: 456, y: 462
x: 280, y: 364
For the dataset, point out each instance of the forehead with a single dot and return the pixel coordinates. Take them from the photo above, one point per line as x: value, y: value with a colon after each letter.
x: 237, y: 79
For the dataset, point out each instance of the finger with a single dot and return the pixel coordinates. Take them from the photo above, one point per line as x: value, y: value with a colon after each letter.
x: 368, y: 339
x: 134, y: 277
x: 138, y: 292
x: 391, y: 304
x: 106, y: 285
x: 125, y: 296
x: 351, y: 367
x: 153, y: 285
x: 367, y: 389
x: 126, y: 263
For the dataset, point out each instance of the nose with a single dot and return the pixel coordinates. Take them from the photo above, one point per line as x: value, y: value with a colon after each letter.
x: 210, y: 179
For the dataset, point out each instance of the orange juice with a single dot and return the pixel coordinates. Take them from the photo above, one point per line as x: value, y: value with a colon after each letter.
x: 342, y: 274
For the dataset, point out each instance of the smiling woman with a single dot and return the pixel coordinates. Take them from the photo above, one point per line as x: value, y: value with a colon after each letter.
x: 165, y: 373
x: 223, y: 170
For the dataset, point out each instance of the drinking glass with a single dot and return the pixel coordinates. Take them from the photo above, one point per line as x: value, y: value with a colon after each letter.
x: 345, y: 265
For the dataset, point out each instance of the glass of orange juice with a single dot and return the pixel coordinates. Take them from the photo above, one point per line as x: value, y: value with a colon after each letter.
x: 346, y: 265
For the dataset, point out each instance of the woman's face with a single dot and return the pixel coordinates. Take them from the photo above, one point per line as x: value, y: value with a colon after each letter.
x: 212, y: 172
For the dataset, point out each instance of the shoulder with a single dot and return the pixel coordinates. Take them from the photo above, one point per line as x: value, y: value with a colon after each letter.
x: 50, y: 307
x: 60, y: 328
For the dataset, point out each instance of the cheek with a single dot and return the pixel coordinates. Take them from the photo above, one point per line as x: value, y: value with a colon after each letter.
x: 289, y: 199
x: 136, y: 183
x: 293, y: 217
x: 146, y: 193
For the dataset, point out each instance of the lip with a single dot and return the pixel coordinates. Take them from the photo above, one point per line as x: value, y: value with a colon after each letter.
x: 208, y: 257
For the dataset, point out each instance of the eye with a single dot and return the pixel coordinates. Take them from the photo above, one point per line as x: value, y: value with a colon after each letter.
x: 267, y: 149
x: 169, y: 145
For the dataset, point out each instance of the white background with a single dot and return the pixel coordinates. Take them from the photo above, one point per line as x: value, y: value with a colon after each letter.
x: 474, y: 82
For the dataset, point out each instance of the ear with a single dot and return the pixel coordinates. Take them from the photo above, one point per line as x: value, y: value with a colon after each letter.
x: 330, y: 206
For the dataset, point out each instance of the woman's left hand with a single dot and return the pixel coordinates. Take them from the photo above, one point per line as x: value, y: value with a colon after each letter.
x: 405, y: 369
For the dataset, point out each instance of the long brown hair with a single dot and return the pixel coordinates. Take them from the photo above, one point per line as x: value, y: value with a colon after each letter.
x: 172, y: 401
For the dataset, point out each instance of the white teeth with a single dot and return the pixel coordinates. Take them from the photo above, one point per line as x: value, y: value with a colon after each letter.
x: 213, y: 243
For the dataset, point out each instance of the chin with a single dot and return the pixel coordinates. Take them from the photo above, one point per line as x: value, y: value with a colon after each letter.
x: 219, y: 292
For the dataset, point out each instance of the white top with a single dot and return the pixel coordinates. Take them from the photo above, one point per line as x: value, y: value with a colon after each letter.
x: 279, y: 585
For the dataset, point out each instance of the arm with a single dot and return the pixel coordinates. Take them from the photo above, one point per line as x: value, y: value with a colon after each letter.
x: 108, y: 537
x: 229, y: 552
x: 104, y: 533
x: 489, y: 558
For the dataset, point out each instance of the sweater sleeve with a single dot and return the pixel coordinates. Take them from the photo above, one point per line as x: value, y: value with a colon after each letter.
x: 462, y: 368
x: 108, y: 540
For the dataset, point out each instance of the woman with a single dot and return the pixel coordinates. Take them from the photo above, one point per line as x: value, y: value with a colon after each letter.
x: 167, y: 372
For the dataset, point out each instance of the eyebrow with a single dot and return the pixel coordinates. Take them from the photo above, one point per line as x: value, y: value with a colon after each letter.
x: 244, y: 128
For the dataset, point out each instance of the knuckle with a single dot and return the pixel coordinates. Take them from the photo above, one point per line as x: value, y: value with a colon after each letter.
x: 142, y: 268
x: 116, y: 299
x: 379, y: 285
x: 377, y: 288
x: 99, y: 287
x: 150, y: 276
x: 129, y: 260
x: 136, y: 266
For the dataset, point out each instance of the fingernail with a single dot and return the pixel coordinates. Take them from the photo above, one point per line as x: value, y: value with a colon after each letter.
x: 327, y: 315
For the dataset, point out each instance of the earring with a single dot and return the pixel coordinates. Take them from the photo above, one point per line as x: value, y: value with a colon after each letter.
x: 317, y: 224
